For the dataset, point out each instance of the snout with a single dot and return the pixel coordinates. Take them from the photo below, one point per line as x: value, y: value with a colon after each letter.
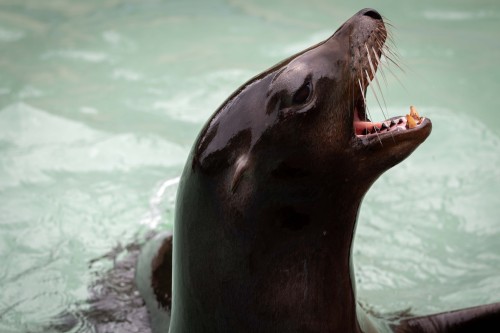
x: 370, y: 13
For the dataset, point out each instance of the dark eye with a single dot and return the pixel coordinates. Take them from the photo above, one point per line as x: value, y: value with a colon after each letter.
x: 302, y: 94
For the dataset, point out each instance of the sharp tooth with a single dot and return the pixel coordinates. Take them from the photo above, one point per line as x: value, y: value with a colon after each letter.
x: 376, y: 129
x: 393, y: 123
x: 400, y: 121
x: 413, y: 119
x: 414, y: 113
x: 410, y: 122
x: 384, y: 126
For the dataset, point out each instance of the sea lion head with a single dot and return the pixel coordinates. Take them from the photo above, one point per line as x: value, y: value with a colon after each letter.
x: 310, y: 111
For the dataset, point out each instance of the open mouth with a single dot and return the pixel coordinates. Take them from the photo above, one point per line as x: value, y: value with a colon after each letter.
x: 364, y: 127
x: 367, y: 59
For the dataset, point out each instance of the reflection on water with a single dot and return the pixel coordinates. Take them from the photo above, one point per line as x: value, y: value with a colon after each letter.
x: 101, y: 101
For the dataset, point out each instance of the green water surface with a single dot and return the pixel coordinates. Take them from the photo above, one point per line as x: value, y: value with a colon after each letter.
x: 101, y: 100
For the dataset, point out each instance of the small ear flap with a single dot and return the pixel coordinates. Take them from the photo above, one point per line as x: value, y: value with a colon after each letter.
x: 240, y: 168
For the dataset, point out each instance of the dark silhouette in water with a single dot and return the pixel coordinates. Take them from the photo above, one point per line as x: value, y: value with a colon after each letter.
x: 114, y: 304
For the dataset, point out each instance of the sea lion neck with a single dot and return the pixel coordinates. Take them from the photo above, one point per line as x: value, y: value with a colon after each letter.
x: 270, y: 256
x: 301, y: 263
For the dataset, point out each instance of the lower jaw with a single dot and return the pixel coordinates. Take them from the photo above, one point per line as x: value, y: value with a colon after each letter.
x: 399, y: 123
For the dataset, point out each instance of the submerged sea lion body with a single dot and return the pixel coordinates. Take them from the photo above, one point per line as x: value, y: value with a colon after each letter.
x: 268, y: 200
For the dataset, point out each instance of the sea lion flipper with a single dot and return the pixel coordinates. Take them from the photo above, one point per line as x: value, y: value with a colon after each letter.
x: 484, y: 318
x: 154, y: 279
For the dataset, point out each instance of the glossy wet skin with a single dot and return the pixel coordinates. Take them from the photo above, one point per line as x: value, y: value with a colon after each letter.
x: 269, y: 198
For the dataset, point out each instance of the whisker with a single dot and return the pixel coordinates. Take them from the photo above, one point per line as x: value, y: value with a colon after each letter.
x: 381, y: 47
x: 379, y: 65
x: 390, y: 37
x: 382, y: 31
x: 394, y: 54
x: 362, y: 91
x: 388, y: 23
x: 386, y: 20
x: 362, y: 94
x: 390, y: 40
x: 366, y: 106
x: 377, y: 82
x: 390, y: 46
x: 375, y: 94
x: 395, y: 76
x: 368, y: 115
x: 351, y: 97
x: 394, y: 62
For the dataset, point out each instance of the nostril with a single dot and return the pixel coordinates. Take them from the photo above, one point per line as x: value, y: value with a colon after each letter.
x: 373, y: 14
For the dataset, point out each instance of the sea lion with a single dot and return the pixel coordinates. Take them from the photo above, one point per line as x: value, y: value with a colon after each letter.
x: 268, y: 200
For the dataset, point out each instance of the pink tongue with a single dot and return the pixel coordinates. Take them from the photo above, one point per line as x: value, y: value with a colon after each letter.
x: 361, y: 126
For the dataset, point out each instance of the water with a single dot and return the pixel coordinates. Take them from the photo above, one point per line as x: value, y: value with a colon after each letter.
x: 100, y: 102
